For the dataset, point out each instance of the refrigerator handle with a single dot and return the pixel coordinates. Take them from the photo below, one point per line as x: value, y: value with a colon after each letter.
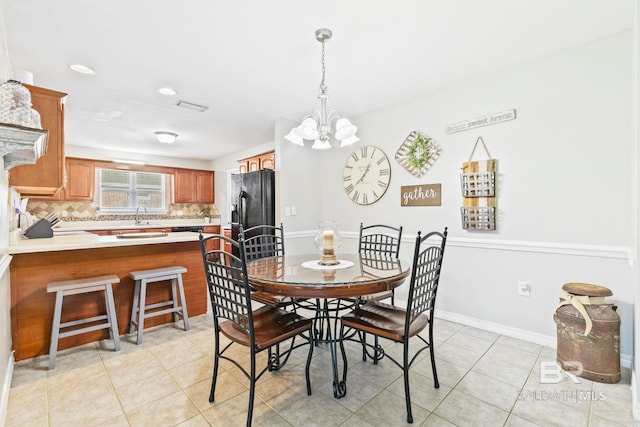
x: 242, y: 208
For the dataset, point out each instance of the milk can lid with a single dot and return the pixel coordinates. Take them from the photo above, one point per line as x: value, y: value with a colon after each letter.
x: 587, y: 289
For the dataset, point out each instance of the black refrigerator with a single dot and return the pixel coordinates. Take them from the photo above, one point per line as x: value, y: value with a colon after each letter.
x: 252, y: 200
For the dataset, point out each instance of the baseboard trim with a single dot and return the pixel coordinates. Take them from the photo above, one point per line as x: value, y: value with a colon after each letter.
x: 635, y: 405
x: 522, y: 334
x: 6, y: 388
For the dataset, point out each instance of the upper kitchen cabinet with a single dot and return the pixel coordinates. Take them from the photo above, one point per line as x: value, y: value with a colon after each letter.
x: 254, y: 163
x: 80, y: 180
x: 193, y: 186
x: 46, y: 176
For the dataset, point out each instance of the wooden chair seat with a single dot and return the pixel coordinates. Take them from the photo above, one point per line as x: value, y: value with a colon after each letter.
x: 271, y: 325
x: 268, y: 298
x: 384, y: 320
x: 379, y: 296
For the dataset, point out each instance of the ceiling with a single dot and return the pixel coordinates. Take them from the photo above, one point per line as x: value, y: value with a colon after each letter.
x: 254, y: 61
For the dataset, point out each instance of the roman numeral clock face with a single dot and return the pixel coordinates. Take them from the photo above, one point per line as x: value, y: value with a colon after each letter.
x: 366, y: 175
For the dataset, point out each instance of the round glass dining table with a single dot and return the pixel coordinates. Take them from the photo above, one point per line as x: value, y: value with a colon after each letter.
x: 333, y: 288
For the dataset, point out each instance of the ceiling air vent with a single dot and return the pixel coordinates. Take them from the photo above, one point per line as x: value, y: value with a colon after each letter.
x: 192, y: 106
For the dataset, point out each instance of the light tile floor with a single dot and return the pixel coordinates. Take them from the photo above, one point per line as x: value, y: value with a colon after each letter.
x: 485, y: 379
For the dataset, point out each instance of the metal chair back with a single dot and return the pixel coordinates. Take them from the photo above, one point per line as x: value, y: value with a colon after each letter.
x: 227, y: 282
x: 380, y: 238
x: 425, y: 275
x: 262, y: 241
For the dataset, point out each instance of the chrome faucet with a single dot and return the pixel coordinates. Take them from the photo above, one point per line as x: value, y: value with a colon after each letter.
x: 138, y: 221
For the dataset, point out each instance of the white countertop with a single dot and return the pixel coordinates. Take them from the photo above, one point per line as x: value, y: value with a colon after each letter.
x: 128, y: 225
x: 86, y: 240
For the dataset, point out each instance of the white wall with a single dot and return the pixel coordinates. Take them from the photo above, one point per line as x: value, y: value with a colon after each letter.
x: 565, y: 193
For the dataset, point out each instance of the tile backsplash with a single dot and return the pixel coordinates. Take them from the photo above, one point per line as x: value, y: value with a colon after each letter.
x: 85, y: 211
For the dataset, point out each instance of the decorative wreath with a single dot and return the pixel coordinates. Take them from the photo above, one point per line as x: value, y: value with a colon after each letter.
x: 419, y: 152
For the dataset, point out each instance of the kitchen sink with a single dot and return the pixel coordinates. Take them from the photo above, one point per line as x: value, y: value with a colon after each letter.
x: 148, y: 235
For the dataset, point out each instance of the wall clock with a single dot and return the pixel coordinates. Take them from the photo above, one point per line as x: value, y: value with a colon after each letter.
x: 366, y: 175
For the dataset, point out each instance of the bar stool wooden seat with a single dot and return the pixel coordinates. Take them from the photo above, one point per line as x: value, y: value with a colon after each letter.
x: 81, y: 286
x: 140, y: 310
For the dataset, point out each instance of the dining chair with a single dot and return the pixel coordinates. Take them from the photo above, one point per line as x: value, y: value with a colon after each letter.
x: 233, y: 316
x: 400, y: 324
x: 262, y: 241
x: 378, y: 240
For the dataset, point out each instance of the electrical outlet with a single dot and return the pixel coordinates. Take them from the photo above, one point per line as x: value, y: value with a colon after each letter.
x: 524, y: 288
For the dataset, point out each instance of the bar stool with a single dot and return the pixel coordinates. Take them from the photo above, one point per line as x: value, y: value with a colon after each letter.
x: 144, y: 277
x: 81, y: 286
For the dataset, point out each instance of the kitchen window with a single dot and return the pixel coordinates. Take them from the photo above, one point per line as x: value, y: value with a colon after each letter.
x: 123, y: 192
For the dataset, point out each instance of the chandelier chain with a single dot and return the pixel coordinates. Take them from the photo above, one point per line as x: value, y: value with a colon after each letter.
x: 323, y: 86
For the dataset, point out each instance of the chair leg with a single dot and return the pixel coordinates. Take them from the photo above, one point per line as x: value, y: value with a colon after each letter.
x: 436, y: 384
x: 363, y: 341
x: 174, y: 298
x: 252, y: 386
x: 216, y: 361
x: 134, y: 310
x: 111, y: 316
x: 183, y: 302
x: 55, y: 330
x: 407, y: 392
x: 141, y: 310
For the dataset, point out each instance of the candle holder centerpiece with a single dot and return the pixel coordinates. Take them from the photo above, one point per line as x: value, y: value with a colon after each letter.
x: 327, y: 241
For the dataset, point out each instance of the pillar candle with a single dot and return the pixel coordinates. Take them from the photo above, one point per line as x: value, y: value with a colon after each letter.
x: 327, y: 242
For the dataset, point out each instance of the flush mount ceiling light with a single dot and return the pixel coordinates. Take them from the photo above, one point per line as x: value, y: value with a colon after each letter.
x: 166, y: 137
x: 319, y: 126
x: 167, y: 91
x: 82, y: 69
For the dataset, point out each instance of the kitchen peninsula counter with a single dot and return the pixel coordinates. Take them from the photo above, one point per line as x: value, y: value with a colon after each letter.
x: 73, y: 240
x: 76, y: 255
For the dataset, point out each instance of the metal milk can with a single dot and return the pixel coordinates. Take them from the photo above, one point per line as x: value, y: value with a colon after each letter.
x: 588, y: 333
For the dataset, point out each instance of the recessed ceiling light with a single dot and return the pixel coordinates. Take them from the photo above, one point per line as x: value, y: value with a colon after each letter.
x: 82, y: 69
x: 166, y: 91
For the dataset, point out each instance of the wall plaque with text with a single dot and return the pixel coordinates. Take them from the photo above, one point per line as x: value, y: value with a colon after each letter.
x: 420, y: 195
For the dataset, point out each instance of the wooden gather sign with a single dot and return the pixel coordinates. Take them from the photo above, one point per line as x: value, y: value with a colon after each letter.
x: 420, y: 195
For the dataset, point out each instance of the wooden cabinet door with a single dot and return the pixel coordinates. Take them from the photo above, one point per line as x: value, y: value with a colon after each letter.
x: 253, y: 164
x: 268, y: 161
x: 243, y: 167
x: 80, y: 180
x: 204, y: 187
x: 185, y: 186
x: 46, y: 176
x: 227, y: 246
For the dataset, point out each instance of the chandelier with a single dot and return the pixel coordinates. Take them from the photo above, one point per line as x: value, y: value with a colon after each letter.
x: 325, y: 130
